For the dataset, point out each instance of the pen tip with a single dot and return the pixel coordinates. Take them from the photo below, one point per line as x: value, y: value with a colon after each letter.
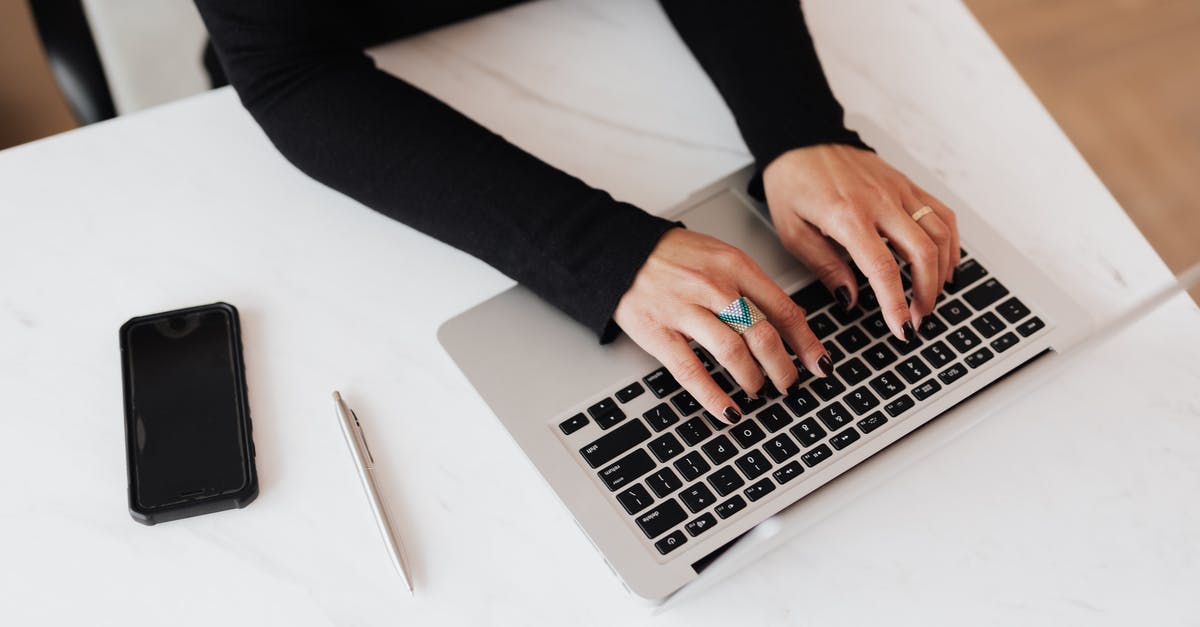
x: 337, y: 396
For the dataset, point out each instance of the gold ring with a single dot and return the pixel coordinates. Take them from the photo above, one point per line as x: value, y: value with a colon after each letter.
x: 921, y: 213
x: 740, y: 315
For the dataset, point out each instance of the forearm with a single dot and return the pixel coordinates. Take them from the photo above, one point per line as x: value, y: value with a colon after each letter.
x: 761, y: 58
x: 402, y: 152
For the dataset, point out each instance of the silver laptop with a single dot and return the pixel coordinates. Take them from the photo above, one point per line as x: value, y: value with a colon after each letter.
x: 664, y: 490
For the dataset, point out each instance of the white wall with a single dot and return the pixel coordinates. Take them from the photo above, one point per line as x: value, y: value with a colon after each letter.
x: 151, y: 50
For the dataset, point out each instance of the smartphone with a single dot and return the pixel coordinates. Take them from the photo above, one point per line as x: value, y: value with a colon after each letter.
x: 188, y: 443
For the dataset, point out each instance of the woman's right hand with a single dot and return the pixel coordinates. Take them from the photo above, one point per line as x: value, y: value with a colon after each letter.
x: 676, y: 295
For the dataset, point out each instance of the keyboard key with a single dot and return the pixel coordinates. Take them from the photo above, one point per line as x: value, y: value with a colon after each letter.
x: 813, y: 297
x: 926, y: 389
x: 965, y: 274
x: 853, y: 371
x: 730, y: 507
x: 697, y: 497
x: 952, y: 374
x: 768, y: 391
x: 835, y: 416
x: 867, y: 300
x: 903, y: 347
x: 876, y: 325
x: 774, y: 418
x: 747, y: 433
x: 954, y: 312
x: 816, y: 456
x: 747, y: 404
x: 931, y: 326
x: 723, y: 382
x: 861, y: 400
x: 759, y: 490
x: 659, y: 520
x: 845, y: 316
x: 694, y: 431
x: 853, y: 339
x: 879, y: 356
x: 808, y: 432
x: 872, y: 422
x: 963, y: 339
x: 988, y: 324
x: 664, y: 482
x: 781, y: 447
x: 606, y: 413
x: 1030, y: 326
x: 630, y: 392
x: 719, y: 449
x: 835, y: 352
x: 665, y: 447
x: 608, y: 447
x: 573, y: 424
x: 1012, y: 310
x: 661, y: 416
x: 821, y: 326
x: 899, y: 406
x: 887, y: 385
x: 627, y: 469
x: 670, y: 543
x: 635, y: 499
x: 985, y: 294
x: 978, y: 358
x: 700, y: 525
x: 710, y: 364
x: 661, y: 383
x: 800, y: 402
x: 790, y: 471
x: 753, y: 464
x: 1004, y: 342
x: 937, y: 354
x: 827, y: 387
x: 691, y: 466
x: 913, y: 369
x: 725, y: 480
x: 844, y: 438
x: 685, y: 403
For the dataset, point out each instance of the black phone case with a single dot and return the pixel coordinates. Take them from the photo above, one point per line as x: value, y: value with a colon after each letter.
x: 207, y: 505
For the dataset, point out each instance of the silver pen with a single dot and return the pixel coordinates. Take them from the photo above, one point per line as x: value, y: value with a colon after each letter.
x: 363, y: 461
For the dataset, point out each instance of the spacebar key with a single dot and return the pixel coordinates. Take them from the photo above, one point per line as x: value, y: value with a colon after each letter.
x: 607, y: 448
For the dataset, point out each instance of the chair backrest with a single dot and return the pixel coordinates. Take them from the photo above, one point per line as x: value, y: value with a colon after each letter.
x: 74, y: 60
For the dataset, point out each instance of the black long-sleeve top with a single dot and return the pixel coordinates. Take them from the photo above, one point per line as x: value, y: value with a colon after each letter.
x: 299, y: 68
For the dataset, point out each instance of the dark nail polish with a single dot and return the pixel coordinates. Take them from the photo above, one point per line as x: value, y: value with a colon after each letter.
x: 842, y: 294
x: 910, y: 333
x: 826, y: 365
x: 732, y: 414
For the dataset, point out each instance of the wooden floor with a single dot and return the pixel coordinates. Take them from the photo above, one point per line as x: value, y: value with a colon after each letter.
x: 1122, y: 78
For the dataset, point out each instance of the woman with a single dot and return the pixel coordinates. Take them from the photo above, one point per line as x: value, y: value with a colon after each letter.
x: 299, y: 68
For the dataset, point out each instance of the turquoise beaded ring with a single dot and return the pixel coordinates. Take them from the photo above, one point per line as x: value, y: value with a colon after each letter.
x: 740, y: 315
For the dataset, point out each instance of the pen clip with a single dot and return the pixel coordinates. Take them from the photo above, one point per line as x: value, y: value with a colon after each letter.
x: 362, y: 437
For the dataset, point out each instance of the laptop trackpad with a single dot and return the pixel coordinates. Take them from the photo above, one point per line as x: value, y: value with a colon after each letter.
x: 733, y: 218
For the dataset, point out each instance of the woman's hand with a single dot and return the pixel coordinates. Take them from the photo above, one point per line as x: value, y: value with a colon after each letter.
x: 686, y: 280
x: 854, y: 197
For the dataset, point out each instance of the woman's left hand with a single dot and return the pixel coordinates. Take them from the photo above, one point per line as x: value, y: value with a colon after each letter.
x: 857, y: 199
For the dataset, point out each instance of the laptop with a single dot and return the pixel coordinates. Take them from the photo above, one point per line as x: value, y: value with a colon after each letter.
x: 670, y: 495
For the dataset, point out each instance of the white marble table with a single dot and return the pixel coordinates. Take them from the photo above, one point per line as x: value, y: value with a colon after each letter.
x: 1075, y: 505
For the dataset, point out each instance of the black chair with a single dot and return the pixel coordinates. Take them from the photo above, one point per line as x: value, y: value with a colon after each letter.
x: 75, y: 62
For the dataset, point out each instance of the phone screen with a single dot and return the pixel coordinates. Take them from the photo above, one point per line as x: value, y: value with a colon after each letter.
x: 185, y: 393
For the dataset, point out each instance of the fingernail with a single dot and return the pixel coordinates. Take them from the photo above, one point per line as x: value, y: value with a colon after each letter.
x: 909, y: 332
x: 842, y: 294
x: 732, y: 414
x: 825, y: 364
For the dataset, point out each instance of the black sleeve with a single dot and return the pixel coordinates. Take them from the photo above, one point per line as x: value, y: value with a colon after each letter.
x: 761, y: 57
x: 299, y: 68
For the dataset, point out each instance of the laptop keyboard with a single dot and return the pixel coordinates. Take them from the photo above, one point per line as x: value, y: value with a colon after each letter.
x: 678, y: 472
